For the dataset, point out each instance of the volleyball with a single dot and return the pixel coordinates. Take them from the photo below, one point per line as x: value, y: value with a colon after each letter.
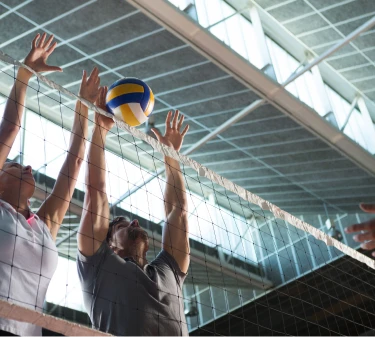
x: 131, y: 100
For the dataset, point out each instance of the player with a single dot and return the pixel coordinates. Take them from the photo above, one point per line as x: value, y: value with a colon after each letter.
x: 28, y: 254
x: 123, y: 293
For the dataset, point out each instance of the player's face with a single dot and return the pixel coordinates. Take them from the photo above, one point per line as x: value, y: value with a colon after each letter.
x: 127, y: 234
x: 14, y: 175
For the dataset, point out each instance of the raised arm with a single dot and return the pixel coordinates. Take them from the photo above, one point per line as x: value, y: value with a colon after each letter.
x: 95, y: 216
x: 176, y: 230
x: 55, y: 206
x: 11, y: 122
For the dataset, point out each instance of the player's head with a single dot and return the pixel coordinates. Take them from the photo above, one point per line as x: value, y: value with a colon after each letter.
x: 127, y: 239
x: 17, y: 178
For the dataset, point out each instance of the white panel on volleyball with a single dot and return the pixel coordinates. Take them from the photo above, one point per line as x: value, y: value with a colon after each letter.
x: 136, y: 109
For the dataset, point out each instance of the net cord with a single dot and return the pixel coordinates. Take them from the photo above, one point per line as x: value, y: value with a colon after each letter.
x: 22, y: 314
x: 206, y: 172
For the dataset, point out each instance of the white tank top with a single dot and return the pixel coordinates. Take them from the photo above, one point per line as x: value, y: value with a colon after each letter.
x: 28, y: 259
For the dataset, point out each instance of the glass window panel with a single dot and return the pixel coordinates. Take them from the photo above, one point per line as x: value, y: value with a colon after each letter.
x: 200, y: 7
x: 35, y: 145
x: 303, y: 90
x: 206, y: 224
x: 292, y: 87
x: 282, y: 64
x: 148, y: 201
x: 316, y: 100
x: 52, y: 169
x: 56, y: 135
x: 16, y: 148
x: 339, y: 106
x: 56, y: 145
x: 225, y: 8
x: 220, y: 32
x: 64, y: 288
x: 355, y: 127
x: 214, y: 11
x: 82, y: 172
x: 249, y: 37
x: 236, y: 39
x: 272, y: 50
x: 180, y: 4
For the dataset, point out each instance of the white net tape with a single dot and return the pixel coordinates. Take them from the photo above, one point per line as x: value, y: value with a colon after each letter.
x: 22, y: 314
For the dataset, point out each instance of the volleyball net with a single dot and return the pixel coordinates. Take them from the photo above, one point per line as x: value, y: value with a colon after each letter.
x: 255, y: 269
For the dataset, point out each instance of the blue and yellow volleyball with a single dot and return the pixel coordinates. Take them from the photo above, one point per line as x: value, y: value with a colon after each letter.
x: 130, y: 100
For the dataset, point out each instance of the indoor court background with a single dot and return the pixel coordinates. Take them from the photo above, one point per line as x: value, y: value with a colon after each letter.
x: 308, y: 148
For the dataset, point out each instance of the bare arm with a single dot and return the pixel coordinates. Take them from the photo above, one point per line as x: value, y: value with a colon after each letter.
x: 176, y: 230
x: 14, y: 109
x: 95, y: 216
x: 365, y: 230
x: 55, y: 206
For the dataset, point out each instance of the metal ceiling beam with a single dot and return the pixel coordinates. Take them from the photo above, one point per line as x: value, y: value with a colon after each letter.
x: 352, y: 36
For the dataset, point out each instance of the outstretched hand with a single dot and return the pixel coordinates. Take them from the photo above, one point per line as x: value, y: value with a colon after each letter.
x: 40, y: 51
x: 89, y: 88
x: 173, y: 137
x: 100, y: 120
x: 367, y: 229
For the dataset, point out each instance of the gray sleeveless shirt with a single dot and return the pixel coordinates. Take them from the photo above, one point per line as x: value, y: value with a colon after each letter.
x: 123, y: 299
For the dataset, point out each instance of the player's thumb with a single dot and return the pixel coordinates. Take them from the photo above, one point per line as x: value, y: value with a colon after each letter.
x: 156, y: 133
x: 368, y: 208
x: 54, y: 68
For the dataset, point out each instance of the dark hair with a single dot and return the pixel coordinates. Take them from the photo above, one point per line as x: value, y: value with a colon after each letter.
x: 114, y: 222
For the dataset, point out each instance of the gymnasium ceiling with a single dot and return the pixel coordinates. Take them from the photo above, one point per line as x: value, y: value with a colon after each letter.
x: 267, y: 152
x: 319, y: 24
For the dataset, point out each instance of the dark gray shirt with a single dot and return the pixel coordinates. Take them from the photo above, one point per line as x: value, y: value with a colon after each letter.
x: 123, y: 299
